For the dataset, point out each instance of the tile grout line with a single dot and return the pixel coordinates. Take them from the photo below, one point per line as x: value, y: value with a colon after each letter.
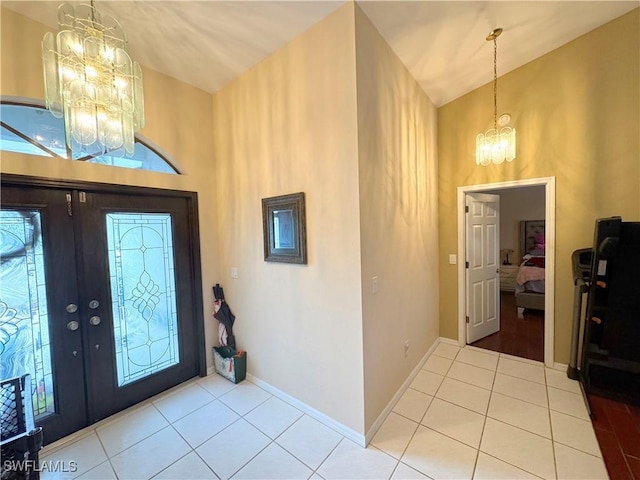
x: 553, y: 446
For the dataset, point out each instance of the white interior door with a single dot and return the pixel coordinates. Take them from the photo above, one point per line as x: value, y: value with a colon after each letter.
x: 483, y: 269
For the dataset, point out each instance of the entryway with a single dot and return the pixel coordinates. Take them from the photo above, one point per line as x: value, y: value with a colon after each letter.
x: 481, y: 289
x: 100, y: 296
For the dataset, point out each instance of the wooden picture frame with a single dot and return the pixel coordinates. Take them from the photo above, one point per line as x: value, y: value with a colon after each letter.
x: 528, y: 230
x: 284, y: 229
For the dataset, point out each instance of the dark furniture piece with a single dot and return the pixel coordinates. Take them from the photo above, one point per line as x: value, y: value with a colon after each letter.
x: 610, y: 364
x: 21, y: 440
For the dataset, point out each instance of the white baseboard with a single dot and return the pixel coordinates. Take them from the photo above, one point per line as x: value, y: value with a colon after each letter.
x: 449, y: 341
x: 560, y: 366
x: 312, y: 412
x: 403, y: 388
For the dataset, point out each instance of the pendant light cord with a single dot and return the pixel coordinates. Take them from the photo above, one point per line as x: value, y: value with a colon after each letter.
x: 495, y: 84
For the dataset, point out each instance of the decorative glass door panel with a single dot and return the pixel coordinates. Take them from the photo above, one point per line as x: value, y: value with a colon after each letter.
x: 24, y: 317
x: 142, y: 274
x: 98, y: 298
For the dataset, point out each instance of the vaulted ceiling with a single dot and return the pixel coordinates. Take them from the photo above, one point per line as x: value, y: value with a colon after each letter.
x: 442, y: 43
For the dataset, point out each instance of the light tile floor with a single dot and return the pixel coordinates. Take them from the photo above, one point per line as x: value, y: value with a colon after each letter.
x: 470, y: 413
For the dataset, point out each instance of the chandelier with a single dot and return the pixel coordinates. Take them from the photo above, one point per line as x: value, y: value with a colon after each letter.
x: 91, y: 81
x: 496, y: 145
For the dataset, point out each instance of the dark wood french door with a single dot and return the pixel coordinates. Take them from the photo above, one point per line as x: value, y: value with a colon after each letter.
x: 99, y: 297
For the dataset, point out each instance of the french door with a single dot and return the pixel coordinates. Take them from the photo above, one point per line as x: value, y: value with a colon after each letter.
x: 99, y: 298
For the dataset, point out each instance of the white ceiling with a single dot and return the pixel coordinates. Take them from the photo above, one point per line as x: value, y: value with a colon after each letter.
x: 442, y: 43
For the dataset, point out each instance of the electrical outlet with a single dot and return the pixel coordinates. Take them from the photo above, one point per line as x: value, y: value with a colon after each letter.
x: 374, y: 284
x: 406, y: 348
x: 234, y: 272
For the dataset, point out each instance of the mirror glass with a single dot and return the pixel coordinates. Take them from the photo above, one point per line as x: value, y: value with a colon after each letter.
x: 283, y: 229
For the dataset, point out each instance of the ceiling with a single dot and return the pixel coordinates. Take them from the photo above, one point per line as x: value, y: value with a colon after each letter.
x: 442, y: 43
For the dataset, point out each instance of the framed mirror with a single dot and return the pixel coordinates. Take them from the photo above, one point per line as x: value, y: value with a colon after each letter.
x: 284, y: 229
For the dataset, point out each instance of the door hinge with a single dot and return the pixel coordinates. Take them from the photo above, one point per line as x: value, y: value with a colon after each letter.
x: 466, y: 264
x: 69, y: 208
x: 467, y: 318
x: 466, y: 209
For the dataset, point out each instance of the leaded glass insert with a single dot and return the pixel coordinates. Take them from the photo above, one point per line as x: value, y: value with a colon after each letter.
x: 24, y: 319
x: 141, y: 269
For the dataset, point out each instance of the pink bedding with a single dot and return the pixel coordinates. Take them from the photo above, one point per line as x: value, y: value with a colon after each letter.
x: 528, y: 274
x: 528, y: 271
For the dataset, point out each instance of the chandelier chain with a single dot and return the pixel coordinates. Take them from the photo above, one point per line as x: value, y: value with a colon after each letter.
x: 495, y: 84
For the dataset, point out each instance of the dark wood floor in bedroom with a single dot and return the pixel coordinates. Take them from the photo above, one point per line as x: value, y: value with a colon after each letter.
x: 522, y: 337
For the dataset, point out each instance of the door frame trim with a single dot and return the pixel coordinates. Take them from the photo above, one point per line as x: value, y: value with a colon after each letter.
x: 550, y: 238
x: 192, y: 203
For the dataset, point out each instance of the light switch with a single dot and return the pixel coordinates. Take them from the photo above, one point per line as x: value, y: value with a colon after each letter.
x: 234, y: 272
x: 374, y: 284
x: 453, y: 259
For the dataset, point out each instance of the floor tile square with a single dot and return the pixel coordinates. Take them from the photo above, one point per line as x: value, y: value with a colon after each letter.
x: 413, y: 404
x: 520, y: 414
x: 455, y: 422
x: 199, y: 426
x: 477, y: 376
x: 216, y: 385
x: 183, y: 401
x: 559, y: 379
x: 309, y: 441
x: 189, y: 467
x: 128, y: 430
x: 101, y: 472
x: 519, y: 448
x: 405, y: 472
x: 525, y: 390
x: 526, y: 371
x: 351, y: 461
x: 446, y: 350
x: 464, y: 395
x: 479, y: 359
x: 567, y: 402
x: 427, y: 382
x: 228, y: 451
x: 436, y: 364
x: 573, y: 464
x: 439, y: 456
x: 574, y: 432
x: 274, y: 463
x: 244, y: 398
x: 522, y: 359
x: 273, y: 416
x: 150, y: 456
x: 87, y: 452
x: 490, y: 468
x: 394, y: 435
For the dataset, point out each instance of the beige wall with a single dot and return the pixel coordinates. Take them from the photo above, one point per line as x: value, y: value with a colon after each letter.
x: 289, y: 125
x: 178, y: 120
x: 398, y: 217
x: 577, y: 114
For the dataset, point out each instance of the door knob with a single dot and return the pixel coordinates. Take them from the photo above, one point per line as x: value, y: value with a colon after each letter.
x: 93, y: 304
x: 71, y: 308
x: 72, y: 325
x: 95, y: 320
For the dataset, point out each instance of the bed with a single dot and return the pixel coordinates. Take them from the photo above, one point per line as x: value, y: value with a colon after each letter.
x: 530, y: 280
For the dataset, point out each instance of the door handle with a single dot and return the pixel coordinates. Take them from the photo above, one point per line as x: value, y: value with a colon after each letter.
x: 95, y: 320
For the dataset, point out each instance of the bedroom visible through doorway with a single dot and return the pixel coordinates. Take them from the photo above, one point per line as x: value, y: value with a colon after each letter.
x: 525, y: 269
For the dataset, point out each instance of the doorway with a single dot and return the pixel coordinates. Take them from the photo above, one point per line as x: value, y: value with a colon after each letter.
x: 100, y: 297
x: 465, y: 300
